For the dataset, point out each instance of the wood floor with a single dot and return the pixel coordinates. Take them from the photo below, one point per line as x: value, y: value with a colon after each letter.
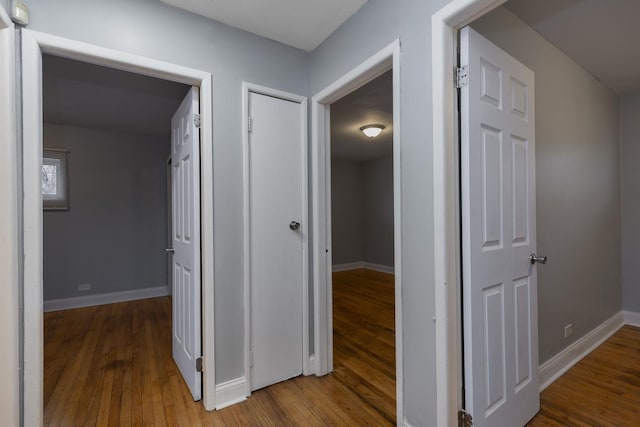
x: 111, y: 366
x: 603, y: 389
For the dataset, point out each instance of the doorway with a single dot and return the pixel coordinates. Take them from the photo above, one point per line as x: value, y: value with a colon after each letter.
x: 106, y: 135
x: 384, y: 61
x: 362, y: 239
x: 33, y: 47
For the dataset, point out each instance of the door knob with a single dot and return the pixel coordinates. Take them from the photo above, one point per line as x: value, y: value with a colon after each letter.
x: 541, y: 259
x: 294, y: 225
x: 170, y: 250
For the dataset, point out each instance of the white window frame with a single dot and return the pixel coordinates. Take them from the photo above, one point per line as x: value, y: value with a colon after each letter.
x: 59, y: 202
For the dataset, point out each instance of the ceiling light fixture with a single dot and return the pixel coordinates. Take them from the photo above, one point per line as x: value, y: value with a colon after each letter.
x: 372, y: 130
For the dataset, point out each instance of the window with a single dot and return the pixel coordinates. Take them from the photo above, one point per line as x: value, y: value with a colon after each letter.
x: 55, y: 180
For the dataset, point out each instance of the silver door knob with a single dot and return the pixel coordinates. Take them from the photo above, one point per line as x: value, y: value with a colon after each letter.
x: 541, y: 259
x: 294, y: 225
x: 170, y: 250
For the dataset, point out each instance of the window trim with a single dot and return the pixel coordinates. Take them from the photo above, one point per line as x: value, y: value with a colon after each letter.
x: 62, y: 204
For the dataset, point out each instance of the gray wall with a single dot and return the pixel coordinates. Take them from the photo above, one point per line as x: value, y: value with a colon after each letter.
x: 577, y: 185
x: 233, y: 55
x: 153, y: 29
x: 377, y: 215
x: 347, y: 202
x: 629, y: 159
x: 114, y: 235
x: 362, y: 211
x: 374, y: 27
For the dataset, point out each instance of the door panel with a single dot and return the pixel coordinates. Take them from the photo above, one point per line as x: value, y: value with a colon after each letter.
x: 185, y: 182
x: 276, y: 199
x: 498, y: 227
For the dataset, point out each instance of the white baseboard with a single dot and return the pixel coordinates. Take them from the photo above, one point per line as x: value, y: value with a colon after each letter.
x: 362, y: 264
x: 563, y: 361
x: 231, y: 392
x: 631, y: 318
x: 100, y: 299
x: 348, y: 266
x: 379, y: 267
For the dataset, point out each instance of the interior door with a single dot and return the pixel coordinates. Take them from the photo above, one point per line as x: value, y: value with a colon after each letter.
x: 185, y: 236
x: 276, y: 233
x: 499, y: 235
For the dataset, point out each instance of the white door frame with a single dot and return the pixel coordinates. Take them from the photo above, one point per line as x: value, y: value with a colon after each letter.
x: 9, y: 299
x: 321, y: 362
x: 34, y: 44
x: 446, y: 217
x: 246, y: 89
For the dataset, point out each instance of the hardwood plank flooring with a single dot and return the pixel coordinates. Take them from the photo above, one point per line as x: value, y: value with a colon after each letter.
x: 111, y: 365
x: 603, y: 389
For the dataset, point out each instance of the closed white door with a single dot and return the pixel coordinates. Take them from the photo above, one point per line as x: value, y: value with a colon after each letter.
x: 185, y: 236
x: 275, y: 243
x: 499, y: 235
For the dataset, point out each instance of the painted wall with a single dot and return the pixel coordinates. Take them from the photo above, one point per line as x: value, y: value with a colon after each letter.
x: 374, y: 27
x: 114, y: 234
x: 155, y: 30
x: 377, y: 215
x: 347, y: 203
x: 577, y: 185
x: 629, y: 157
x: 362, y: 211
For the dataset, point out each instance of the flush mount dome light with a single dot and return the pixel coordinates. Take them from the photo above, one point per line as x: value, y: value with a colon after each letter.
x: 372, y: 130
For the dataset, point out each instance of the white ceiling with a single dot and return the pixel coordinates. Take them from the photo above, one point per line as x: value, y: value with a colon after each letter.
x: 85, y: 95
x: 303, y: 24
x: 370, y: 104
x: 600, y: 35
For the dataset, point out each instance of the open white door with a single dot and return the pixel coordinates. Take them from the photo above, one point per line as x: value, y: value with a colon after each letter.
x: 277, y: 231
x: 499, y: 235
x: 185, y: 183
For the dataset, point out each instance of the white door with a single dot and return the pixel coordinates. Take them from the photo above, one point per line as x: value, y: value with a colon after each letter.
x: 275, y: 244
x: 185, y: 236
x: 499, y: 235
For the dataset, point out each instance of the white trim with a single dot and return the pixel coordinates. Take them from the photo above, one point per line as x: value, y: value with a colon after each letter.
x: 33, y: 45
x: 363, y: 264
x: 347, y: 266
x: 446, y: 213
x: 254, y: 88
x: 386, y: 59
x: 231, y: 392
x: 9, y: 299
x: 101, y: 299
x: 631, y: 318
x: 552, y: 369
x: 207, y: 250
x: 389, y: 269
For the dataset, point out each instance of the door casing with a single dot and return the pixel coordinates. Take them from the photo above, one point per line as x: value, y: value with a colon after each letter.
x: 34, y: 44
x: 321, y: 362
x: 9, y: 291
x: 247, y: 88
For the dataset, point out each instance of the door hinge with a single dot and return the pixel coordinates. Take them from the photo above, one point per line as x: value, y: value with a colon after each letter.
x: 196, y: 120
x: 199, y: 364
x: 251, y: 359
x: 250, y: 125
x: 464, y: 419
x: 462, y: 76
